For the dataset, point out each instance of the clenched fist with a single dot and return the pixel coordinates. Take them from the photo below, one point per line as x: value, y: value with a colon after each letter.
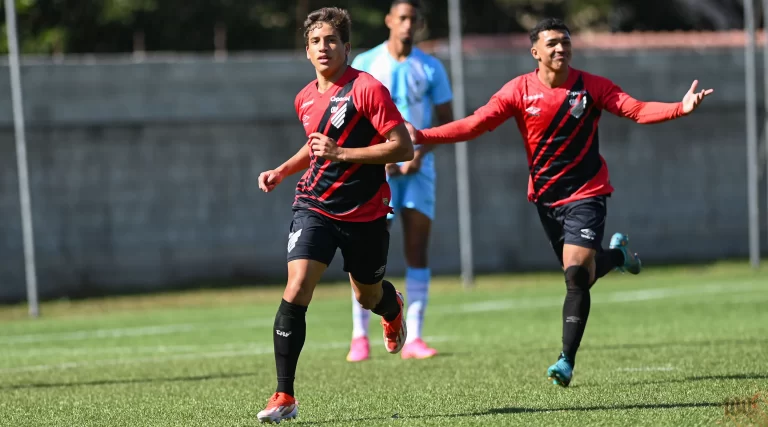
x: 325, y: 147
x: 268, y: 180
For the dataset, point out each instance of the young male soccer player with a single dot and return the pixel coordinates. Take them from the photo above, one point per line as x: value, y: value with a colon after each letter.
x: 342, y: 201
x: 557, y: 109
x: 418, y: 82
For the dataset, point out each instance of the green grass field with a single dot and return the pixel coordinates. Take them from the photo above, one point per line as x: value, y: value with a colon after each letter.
x: 668, y: 347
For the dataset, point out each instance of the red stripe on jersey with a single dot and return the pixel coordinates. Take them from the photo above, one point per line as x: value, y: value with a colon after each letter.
x: 565, y: 145
x: 549, y: 141
x: 349, y: 171
x: 572, y: 164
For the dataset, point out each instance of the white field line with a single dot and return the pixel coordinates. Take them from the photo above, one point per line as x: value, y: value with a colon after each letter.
x: 648, y: 369
x: 484, y: 306
x: 245, y: 351
x: 139, y: 331
x: 603, y: 298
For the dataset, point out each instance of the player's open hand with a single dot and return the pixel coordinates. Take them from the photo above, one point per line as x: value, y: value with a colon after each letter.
x: 412, y: 166
x: 693, y: 99
x: 325, y: 147
x: 268, y: 180
x: 393, y: 169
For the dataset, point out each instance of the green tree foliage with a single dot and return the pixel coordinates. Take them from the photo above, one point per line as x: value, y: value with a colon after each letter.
x: 98, y: 26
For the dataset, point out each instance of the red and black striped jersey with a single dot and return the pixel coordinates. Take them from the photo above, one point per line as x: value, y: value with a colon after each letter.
x: 356, y: 112
x: 559, y: 127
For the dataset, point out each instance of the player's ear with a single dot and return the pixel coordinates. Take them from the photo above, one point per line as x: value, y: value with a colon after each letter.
x: 388, y: 20
x: 535, y: 53
x: 347, y: 48
x: 307, y: 48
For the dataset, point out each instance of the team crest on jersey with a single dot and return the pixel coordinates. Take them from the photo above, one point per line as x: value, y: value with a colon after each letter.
x: 339, y: 113
x: 579, y: 106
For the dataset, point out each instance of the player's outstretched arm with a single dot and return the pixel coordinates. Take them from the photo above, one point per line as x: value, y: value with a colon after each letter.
x: 268, y: 180
x: 499, y: 108
x: 621, y: 104
x: 397, y: 148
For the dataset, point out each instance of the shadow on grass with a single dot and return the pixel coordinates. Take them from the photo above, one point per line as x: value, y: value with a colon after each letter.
x: 125, y: 381
x: 753, y: 376
x: 519, y: 410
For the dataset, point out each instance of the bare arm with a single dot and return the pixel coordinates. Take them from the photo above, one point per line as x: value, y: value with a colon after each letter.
x: 397, y: 148
x: 270, y: 179
x: 299, y: 162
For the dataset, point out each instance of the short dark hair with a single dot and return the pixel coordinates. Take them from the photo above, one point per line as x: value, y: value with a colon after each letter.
x: 415, y: 3
x: 336, y: 17
x: 547, y: 24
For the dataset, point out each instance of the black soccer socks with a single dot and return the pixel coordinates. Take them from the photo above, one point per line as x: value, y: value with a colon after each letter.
x: 575, y: 309
x: 608, y: 260
x: 388, y: 308
x: 290, y: 332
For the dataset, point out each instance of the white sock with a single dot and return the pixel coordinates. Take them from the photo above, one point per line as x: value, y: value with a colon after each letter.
x: 360, y: 319
x: 417, y: 290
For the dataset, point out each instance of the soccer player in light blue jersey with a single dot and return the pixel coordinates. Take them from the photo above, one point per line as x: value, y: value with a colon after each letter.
x: 419, y: 86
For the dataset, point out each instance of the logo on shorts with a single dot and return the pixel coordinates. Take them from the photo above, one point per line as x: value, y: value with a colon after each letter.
x: 380, y: 270
x: 292, y: 238
x: 385, y: 200
x: 588, y: 234
x: 283, y: 334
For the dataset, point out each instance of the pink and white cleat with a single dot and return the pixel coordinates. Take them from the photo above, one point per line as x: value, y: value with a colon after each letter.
x: 281, y: 406
x: 359, y: 350
x: 417, y: 349
x: 395, y: 331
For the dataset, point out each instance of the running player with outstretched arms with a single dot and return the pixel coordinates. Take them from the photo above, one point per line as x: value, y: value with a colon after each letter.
x: 557, y: 109
x: 342, y: 200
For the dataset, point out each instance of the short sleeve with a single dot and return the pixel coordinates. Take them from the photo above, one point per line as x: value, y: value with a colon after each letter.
x: 378, y: 107
x: 440, y: 92
x: 297, y: 102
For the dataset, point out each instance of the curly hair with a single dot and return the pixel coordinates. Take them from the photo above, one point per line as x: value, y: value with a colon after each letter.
x: 337, y: 18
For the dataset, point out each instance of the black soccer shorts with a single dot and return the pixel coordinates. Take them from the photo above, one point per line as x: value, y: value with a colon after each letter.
x: 364, y: 245
x: 580, y: 223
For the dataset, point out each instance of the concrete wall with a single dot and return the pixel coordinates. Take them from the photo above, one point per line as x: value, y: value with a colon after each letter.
x: 143, y: 175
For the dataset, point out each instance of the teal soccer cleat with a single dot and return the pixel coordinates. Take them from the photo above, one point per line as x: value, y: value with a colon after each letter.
x: 561, y: 372
x: 632, y: 262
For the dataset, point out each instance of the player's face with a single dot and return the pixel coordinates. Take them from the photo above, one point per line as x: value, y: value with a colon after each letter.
x: 325, y: 49
x: 553, y: 49
x: 403, y: 21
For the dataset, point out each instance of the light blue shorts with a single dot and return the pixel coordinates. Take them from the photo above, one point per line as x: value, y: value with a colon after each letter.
x: 415, y: 191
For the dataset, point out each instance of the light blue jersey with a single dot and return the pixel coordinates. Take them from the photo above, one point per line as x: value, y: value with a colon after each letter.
x: 416, y: 84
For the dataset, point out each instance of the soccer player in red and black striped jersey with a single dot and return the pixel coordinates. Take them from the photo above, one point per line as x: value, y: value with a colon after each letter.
x: 557, y: 109
x: 354, y: 129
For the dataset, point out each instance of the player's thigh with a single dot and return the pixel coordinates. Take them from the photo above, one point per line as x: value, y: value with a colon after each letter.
x: 396, y: 198
x: 419, y: 194
x: 312, y: 236
x: 311, y: 246
x: 584, y: 222
x: 553, y: 228
x: 416, y: 230
x: 365, y: 246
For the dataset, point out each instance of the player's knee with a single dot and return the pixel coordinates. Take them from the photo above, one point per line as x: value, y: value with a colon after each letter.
x: 577, y: 278
x: 299, y: 289
x: 368, y: 287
